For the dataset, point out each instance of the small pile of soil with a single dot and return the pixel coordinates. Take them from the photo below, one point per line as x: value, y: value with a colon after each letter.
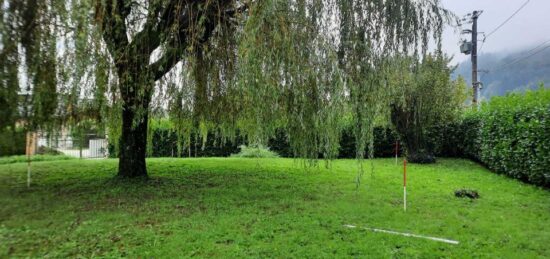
x: 421, y: 158
x: 465, y: 193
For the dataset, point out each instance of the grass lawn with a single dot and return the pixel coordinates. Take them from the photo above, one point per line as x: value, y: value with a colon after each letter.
x: 35, y: 158
x: 235, y: 207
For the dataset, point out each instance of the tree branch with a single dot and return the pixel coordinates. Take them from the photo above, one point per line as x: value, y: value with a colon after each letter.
x: 177, y: 45
x: 111, y: 16
x: 160, y: 20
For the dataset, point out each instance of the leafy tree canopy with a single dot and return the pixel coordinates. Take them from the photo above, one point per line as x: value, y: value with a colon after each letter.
x: 424, y: 97
x: 221, y: 66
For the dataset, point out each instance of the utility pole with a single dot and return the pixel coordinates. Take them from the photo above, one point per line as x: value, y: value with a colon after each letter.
x: 475, y: 83
x: 470, y: 48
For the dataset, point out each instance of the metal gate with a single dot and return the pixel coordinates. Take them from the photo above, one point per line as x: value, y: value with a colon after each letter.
x: 87, y: 146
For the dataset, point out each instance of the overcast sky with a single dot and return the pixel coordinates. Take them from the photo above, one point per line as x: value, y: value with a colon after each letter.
x: 528, y: 28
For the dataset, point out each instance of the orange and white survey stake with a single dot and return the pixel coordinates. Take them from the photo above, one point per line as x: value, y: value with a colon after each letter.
x: 405, y: 185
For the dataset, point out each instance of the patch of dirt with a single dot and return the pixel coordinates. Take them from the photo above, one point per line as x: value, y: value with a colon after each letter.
x: 465, y: 193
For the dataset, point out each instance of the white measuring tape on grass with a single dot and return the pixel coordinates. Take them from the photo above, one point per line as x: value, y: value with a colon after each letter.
x: 448, y: 241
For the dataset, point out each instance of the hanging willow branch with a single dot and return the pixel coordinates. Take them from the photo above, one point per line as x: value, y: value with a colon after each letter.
x: 224, y: 67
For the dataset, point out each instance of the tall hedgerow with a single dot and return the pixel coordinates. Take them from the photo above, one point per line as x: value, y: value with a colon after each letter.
x: 513, y: 137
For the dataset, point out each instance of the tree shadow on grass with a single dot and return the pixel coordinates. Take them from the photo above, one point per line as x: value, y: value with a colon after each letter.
x: 186, y: 192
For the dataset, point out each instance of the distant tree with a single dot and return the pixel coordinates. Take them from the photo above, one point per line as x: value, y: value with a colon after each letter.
x: 221, y: 66
x: 425, y: 96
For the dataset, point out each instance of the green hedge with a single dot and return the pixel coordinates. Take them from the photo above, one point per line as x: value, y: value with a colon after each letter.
x: 12, y: 143
x: 384, y: 144
x: 511, y: 135
x: 165, y: 144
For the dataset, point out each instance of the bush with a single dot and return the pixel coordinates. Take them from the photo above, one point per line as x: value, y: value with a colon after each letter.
x: 42, y: 150
x: 511, y: 135
x: 258, y: 151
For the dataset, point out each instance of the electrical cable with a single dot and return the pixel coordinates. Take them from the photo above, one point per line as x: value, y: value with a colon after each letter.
x: 524, y: 58
x: 502, y: 24
x: 507, y: 20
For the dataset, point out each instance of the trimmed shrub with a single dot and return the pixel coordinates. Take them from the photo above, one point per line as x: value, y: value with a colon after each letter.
x: 511, y: 135
x: 470, y: 141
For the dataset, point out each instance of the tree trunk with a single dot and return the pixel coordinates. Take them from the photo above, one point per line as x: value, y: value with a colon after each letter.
x: 132, y: 145
x: 409, y: 130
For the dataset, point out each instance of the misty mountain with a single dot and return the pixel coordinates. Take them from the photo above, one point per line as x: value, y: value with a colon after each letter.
x: 504, y: 72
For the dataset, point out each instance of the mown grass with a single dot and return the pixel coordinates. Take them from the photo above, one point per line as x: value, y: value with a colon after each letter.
x: 235, y: 207
x: 34, y: 158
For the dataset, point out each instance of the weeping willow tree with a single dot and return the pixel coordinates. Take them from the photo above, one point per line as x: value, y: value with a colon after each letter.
x: 9, y: 81
x: 222, y: 66
x: 35, y: 43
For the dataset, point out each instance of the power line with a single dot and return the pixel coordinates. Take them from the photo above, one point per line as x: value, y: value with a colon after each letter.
x: 521, y: 59
x: 509, y: 18
x: 531, y: 50
x: 502, y: 24
x: 530, y: 54
x: 482, y: 43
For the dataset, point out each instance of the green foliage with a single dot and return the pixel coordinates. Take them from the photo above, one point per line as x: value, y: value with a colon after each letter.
x: 12, y: 142
x: 508, y: 134
x: 165, y: 144
x: 42, y: 150
x: 9, y: 79
x: 29, y: 23
x: 240, y: 208
x: 470, y: 142
x: 383, y: 143
x: 425, y: 97
x: 515, y: 135
x: 251, y: 67
x: 257, y: 151
x: 165, y: 141
x: 446, y: 140
x: 511, y: 135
